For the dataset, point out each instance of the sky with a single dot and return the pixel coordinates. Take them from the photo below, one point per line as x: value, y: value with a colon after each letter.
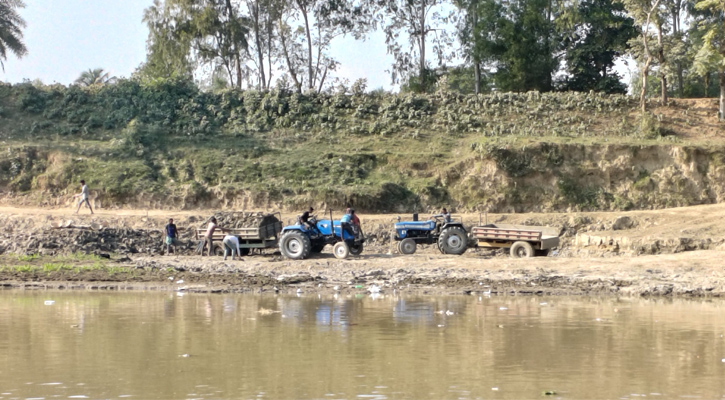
x: 65, y: 38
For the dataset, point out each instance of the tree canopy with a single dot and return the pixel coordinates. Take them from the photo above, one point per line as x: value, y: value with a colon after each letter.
x: 11, y: 30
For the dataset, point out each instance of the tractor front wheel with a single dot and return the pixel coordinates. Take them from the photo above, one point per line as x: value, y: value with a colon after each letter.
x: 407, y: 246
x: 295, y: 245
x: 341, y: 250
x: 453, y: 241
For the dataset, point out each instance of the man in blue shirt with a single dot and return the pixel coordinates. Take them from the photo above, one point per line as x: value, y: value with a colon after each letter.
x: 171, y: 236
x: 346, y: 221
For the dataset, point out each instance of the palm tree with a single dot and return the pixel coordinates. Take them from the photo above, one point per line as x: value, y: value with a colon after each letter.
x: 94, y: 76
x: 11, y: 33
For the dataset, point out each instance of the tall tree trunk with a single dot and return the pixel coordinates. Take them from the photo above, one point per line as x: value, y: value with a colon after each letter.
x: 707, y: 83
x: 722, y: 95
x: 676, y: 7
x: 254, y: 11
x: 421, y: 45
x: 237, y: 59
x: 310, y: 72
x: 663, y: 89
x: 662, y: 61
x: 476, y: 62
x: 290, y: 66
x: 643, y: 92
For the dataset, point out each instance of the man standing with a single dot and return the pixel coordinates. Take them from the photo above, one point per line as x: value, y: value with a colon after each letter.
x: 83, y: 196
x: 231, y: 245
x: 171, y: 236
x: 210, y: 228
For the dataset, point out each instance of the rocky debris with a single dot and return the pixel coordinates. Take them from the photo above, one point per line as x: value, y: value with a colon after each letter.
x: 100, y: 242
x: 622, y: 223
x: 240, y: 219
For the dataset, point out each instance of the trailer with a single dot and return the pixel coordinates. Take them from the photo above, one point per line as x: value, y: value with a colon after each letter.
x: 522, y: 240
x: 264, y: 236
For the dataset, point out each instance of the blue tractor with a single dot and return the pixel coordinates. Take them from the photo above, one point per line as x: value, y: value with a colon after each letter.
x: 300, y: 240
x: 450, y: 236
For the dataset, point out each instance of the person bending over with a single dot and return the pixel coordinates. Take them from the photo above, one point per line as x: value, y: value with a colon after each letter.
x: 231, y: 245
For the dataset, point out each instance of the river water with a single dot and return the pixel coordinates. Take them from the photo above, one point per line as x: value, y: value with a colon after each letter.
x: 169, y: 346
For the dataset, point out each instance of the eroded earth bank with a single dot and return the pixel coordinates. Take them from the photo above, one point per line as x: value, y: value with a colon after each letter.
x: 672, y: 252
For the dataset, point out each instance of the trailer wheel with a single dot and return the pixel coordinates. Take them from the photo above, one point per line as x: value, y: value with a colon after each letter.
x: 522, y: 249
x: 218, y: 250
x: 244, y: 251
x: 356, y: 249
x: 340, y: 250
x: 295, y: 245
x: 406, y: 246
x: 542, y: 253
x: 453, y: 241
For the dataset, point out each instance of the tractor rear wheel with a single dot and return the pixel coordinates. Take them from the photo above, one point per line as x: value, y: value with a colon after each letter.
x: 407, y: 246
x: 295, y: 245
x: 356, y: 249
x: 340, y: 250
x: 522, y: 249
x: 453, y: 241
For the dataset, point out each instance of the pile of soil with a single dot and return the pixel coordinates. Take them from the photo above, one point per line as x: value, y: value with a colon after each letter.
x: 240, y: 219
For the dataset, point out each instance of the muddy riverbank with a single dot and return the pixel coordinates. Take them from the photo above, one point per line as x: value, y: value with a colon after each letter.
x: 674, y: 252
x: 697, y: 274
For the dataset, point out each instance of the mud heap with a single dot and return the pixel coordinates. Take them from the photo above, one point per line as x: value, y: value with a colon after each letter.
x: 238, y: 219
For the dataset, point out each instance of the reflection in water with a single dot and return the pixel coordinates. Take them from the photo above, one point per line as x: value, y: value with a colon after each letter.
x: 159, y: 345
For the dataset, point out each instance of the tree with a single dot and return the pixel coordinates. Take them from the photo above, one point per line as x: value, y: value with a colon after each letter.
x: 168, y: 49
x: 263, y: 17
x: 95, y: 76
x: 417, y: 19
x: 11, y: 30
x: 601, y: 36
x: 467, y: 25
x: 643, y: 12
x: 205, y: 32
x: 515, y: 39
x: 306, y: 48
x: 712, y: 51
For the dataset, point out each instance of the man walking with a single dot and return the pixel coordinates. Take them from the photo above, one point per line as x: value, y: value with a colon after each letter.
x: 83, y: 196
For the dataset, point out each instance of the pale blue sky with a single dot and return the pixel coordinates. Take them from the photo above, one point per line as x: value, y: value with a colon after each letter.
x: 67, y: 37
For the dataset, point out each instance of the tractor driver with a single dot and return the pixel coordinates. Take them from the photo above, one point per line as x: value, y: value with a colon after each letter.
x: 355, y: 221
x: 346, y: 221
x: 305, y: 217
x: 445, y: 215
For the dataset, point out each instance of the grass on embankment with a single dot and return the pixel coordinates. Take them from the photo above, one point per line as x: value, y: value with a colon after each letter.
x: 170, y: 142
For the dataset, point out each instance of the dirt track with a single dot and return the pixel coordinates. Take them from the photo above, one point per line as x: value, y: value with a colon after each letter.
x: 602, y: 271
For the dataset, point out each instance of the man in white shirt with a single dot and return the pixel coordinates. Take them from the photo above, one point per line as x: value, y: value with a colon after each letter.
x: 83, y: 196
x: 231, y: 244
